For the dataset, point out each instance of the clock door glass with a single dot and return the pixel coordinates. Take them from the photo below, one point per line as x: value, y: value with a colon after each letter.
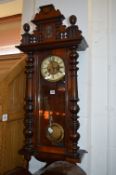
x: 52, y: 102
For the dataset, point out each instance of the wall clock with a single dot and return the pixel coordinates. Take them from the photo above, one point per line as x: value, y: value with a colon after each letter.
x: 51, y: 101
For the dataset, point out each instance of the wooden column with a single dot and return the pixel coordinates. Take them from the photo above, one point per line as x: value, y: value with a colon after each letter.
x: 74, y: 107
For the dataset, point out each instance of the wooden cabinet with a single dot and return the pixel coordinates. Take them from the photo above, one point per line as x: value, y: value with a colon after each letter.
x: 52, y: 100
x: 12, y: 90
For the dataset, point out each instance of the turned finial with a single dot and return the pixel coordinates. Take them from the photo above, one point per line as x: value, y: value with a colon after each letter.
x: 26, y: 27
x: 72, y: 19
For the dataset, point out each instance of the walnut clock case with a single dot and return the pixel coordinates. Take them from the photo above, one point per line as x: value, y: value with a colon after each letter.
x: 51, y: 101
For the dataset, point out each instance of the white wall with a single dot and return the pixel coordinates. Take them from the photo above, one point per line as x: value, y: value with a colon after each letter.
x: 97, y: 82
x: 103, y: 114
x: 28, y: 11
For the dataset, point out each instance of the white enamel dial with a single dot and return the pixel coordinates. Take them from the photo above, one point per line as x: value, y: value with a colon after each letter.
x: 52, y: 68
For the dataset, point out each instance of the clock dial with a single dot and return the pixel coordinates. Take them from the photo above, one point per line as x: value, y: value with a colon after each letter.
x: 52, y: 68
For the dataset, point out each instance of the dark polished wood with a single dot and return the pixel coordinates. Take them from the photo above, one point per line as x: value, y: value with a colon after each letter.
x: 60, y: 98
x: 28, y: 149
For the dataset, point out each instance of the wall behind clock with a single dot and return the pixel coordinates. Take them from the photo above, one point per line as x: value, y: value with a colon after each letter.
x: 97, y: 81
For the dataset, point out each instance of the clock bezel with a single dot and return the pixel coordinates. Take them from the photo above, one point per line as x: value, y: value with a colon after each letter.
x: 50, y: 79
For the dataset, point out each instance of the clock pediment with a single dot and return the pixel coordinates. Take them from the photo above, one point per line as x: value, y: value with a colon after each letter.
x: 50, y: 29
x: 48, y: 22
x: 47, y: 12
